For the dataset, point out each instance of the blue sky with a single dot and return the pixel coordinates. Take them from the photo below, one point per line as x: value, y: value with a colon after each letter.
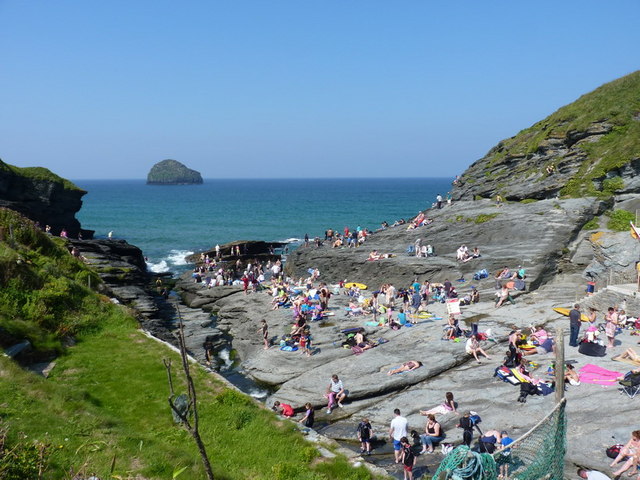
x: 258, y: 89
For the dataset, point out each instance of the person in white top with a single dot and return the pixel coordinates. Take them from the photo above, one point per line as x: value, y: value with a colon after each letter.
x: 397, y: 430
x: 592, y: 475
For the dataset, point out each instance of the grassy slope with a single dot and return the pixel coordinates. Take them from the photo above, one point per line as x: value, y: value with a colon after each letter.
x: 38, y: 173
x: 107, y: 396
x: 616, y: 102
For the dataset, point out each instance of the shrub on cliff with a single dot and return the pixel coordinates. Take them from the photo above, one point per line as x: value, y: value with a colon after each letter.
x: 619, y: 220
x: 41, y: 299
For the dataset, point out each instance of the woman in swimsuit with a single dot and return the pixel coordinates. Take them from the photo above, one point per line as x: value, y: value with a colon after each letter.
x: 448, y: 406
x: 405, y: 367
x: 631, y: 450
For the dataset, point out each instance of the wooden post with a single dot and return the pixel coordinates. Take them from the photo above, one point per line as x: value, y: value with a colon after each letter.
x: 559, y: 370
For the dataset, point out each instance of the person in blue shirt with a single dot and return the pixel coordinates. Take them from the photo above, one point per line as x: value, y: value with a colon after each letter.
x: 504, y: 455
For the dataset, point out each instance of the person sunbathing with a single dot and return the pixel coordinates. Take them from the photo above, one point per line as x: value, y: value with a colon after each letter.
x: 355, y: 309
x: 629, y: 354
x: 362, y: 342
x: 374, y: 255
x: 405, y: 367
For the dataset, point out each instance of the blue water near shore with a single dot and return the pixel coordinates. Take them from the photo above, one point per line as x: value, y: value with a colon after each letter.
x: 169, y: 222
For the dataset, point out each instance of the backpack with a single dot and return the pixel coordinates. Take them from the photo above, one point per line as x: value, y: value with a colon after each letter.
x: 614, y: 450
x: 480, y: 274
x: 475, y: 419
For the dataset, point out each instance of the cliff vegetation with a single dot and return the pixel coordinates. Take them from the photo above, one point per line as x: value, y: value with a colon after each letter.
x: 103, y: 408
x: 590, y: 147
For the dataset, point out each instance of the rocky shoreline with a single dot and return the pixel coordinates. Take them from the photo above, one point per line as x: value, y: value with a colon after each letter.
x: 546, y: 237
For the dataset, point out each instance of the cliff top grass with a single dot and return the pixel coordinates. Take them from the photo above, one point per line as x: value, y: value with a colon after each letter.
x: 38, y: 173
x: 104, y: 407
x: 615, y: 105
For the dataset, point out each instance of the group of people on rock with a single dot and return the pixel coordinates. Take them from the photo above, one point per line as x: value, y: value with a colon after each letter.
x: 464, y: 255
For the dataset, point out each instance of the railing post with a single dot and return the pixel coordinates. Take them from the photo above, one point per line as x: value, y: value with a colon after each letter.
x: 559, y: 369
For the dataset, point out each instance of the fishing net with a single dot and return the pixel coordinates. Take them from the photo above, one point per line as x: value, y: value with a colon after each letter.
x: 537, y: 455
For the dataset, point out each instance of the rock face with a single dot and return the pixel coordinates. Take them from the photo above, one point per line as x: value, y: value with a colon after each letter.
x: 592, y: 147
x: 531, y: 234
x: 172, y: 172
x: 43, y: 197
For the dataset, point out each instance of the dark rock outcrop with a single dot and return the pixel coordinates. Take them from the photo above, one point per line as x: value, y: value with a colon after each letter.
x: 172, y: 172
x: 43, y: 197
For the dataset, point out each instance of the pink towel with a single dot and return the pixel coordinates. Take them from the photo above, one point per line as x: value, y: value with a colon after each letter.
x: 597, y: 375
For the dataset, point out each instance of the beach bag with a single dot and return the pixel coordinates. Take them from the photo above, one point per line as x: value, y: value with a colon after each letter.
x: 480, y: 274
x: 592, y: 349
x: 614, y: 450
x: 545, y: 388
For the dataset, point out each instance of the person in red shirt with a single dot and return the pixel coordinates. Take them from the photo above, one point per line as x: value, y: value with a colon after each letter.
x: 283, y: 409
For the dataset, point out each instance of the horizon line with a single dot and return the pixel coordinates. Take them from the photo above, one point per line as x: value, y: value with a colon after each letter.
x: 273, y: 178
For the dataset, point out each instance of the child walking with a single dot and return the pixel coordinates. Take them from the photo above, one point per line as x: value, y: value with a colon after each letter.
x: 365, y: 433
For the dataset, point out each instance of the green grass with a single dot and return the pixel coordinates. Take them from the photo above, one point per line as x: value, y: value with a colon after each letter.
x: 593, y: 224
x: 619, y: 220
x: 617, y: 103
x: 105, y: 402
x: 484, y: 217
x: 38, y: 173
x: 107, y: 398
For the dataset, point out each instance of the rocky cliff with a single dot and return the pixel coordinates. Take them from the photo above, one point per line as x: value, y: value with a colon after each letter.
x: 42, y: 196
x: 589, y: 147
x: 172, y: 172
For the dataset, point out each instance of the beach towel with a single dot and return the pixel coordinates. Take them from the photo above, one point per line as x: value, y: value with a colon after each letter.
x: 598, y: 376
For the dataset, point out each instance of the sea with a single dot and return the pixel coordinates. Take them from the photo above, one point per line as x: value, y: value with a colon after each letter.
x: 169, y: 222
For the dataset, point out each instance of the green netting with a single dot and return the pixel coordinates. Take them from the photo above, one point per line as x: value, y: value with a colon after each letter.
x: 537, y: 455
x: 461, y: 463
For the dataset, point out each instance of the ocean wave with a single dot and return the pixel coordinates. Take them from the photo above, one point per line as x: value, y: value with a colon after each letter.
x: 159, y: 267
x: 292, y: 240
x: 178, y: 257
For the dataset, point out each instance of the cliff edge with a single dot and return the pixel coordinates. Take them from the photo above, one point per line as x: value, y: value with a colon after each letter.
x: 43, y: 197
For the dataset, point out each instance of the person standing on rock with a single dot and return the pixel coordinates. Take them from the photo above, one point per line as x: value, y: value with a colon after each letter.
x: 574, y: 324
x: 439, y: 201
x: 365, y: 432
x: 264, y: 329
x: 217, y: 252
x: 397, y: 430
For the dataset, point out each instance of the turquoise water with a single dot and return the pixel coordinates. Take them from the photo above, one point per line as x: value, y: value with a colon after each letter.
x: 169, y: 222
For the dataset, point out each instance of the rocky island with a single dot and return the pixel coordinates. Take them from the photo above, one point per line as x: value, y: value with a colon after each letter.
x: 172, y: 172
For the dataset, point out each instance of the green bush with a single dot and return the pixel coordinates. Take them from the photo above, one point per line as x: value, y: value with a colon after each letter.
x: 528, y: 200
x: 593, y: 224
x: 22, y: 460
x: 619, y: 220
x: 612, y: 185
x: 485, y: 217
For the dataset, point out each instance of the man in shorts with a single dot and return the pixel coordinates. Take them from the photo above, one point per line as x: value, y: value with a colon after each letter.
x: 397, y: 430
